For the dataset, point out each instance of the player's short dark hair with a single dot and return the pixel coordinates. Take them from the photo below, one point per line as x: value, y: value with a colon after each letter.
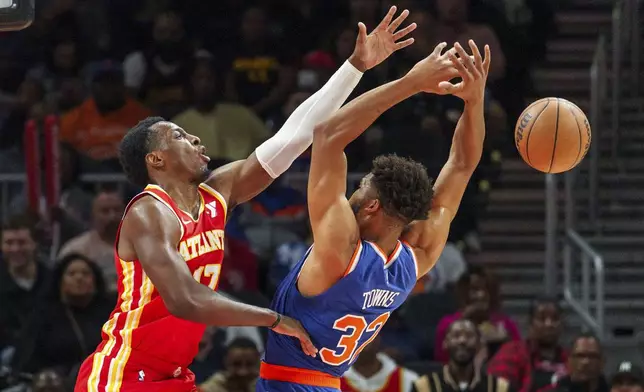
x: 543, y: 300
x: 136, y: 144
x: 403, y: 186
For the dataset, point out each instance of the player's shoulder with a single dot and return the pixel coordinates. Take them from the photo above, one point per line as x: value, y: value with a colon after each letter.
x: 148, y: 213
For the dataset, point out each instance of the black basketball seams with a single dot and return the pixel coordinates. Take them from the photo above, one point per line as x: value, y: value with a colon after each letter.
x: 527, y: 140
x: 554, y: 144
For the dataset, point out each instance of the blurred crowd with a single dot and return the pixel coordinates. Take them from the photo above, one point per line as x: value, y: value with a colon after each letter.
x: 231, y: 72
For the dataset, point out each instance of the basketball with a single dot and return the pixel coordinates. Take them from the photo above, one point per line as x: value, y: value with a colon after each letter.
x: 552, y: 135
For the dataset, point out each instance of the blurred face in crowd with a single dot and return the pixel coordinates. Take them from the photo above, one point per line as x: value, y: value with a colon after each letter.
x: 47, y: 381
x: 462, y: 342
x: 585, y: 361
x: 546, y: 325
x: 254, y: 25
x: 626, y: 383
x: 368, y: 354
x: 65, y: 56
x: 107, y: 211
x: 478, y: 291
x: 242, y: 366
x: 18, y: 248
x: 452, y: 11
x: 345, y: 43
x: 108, y: 91
x: 78, y: 281
x: 204, y: 83
x: 168, y: 34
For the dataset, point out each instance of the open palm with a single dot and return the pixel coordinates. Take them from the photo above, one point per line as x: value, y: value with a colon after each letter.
x: 374, y: 48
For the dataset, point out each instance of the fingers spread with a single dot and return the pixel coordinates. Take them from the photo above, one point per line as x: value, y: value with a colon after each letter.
x: 404, y: 31
x: 439, y: 48
x: 458, y: 64
x: 398, y: 21
x: 488, y: 59
x: 404, y: 44
x: 362, y: 32
x: 387, y: 19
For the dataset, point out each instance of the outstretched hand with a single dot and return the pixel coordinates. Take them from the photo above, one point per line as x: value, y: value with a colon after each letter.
x: 373, y: 49
x: 472, y: 69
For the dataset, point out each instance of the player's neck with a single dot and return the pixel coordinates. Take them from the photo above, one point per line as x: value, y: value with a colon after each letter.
x: 186, y: 196
x: 388, y: 242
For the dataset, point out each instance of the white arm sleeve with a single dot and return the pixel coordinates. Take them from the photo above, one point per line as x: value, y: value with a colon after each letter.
x: 296, y: 135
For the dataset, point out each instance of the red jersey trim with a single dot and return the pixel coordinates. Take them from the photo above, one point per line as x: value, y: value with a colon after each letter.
x: 161, y: 194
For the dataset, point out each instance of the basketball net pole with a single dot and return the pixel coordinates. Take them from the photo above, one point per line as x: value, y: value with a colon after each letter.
x: 52, y: 180
x: 552, y: 216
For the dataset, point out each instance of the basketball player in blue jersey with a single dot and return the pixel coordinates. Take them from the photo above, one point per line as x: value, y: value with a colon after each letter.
x: 369, y: 251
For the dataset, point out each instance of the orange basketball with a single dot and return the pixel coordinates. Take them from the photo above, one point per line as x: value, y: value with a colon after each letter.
x: 552, y: 135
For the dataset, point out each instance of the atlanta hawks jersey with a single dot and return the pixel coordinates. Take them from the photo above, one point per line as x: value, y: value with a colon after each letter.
x: 341, y: 321
x: 142, y: 341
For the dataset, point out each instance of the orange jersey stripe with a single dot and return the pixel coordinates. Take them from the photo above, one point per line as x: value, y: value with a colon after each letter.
x: 298, y: 376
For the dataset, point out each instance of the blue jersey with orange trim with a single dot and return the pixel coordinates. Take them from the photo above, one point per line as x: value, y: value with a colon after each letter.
x: 142, y: 342
x: 348, y: 316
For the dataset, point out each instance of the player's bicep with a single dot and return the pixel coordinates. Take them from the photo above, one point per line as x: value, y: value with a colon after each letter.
x: 153, y: 235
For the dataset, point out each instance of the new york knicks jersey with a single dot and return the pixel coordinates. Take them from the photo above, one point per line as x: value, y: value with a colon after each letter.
x: 342, y: 320
x: 142, y: 342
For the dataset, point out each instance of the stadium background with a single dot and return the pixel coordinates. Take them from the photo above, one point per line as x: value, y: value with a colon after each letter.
x: 230, y: 72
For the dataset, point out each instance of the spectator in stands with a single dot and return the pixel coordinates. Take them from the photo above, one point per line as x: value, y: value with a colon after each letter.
x: 462, y: 372
x: 69, y: 325
x: 376, y: 371
x: 227, y: 130
x: 60, y: 75
x: 96, y: 127
x: 454, y: 26
x: 97, y: 244
x: 478, y: 294
x: 535, y: 363
x: 241, y: 369
x: 273, y: 217
x: 24, y: 278
x: 585, y: 367
x: 47, y: 381
x: 628, y: 378
x: 239, y: 271
x: 448, y: 270
x: 262, y: 72
x: 158, y: 73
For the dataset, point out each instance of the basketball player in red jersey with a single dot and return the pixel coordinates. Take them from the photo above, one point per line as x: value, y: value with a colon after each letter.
x: 169, y: 246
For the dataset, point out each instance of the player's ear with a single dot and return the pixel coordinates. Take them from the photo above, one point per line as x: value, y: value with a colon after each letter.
x: 372, y: 206
x: 154, y: 159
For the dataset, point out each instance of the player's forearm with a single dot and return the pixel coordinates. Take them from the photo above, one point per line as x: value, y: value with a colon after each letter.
x: 211, y: 308
x: 467, y: 143
x: 296, y: 135
x: 355, y: 117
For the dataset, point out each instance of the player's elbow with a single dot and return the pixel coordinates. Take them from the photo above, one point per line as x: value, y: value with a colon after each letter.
x: 182, y: 306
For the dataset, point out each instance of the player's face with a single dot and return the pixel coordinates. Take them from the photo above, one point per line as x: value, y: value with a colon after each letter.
x: 462, y: 342
x: 78, y: 280
x: 180, y: 154
x: 242, y: 365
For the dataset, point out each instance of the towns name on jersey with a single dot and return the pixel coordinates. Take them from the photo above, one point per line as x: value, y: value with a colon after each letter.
x: 201, y: 244
x: 380, y: 298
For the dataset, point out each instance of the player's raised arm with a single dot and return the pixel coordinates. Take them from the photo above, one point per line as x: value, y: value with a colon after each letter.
x: 151, y: 232
x: 242, y: 180
x: 335, y: 230
x: 428, y: 237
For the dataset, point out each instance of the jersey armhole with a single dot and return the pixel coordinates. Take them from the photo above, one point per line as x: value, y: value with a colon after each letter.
x: 353, y: 263
x: 127, y: 208
x: 413, y: 256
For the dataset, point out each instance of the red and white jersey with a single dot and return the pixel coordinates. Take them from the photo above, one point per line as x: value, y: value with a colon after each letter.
x: 390, y: 378
x: 141, y: 336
